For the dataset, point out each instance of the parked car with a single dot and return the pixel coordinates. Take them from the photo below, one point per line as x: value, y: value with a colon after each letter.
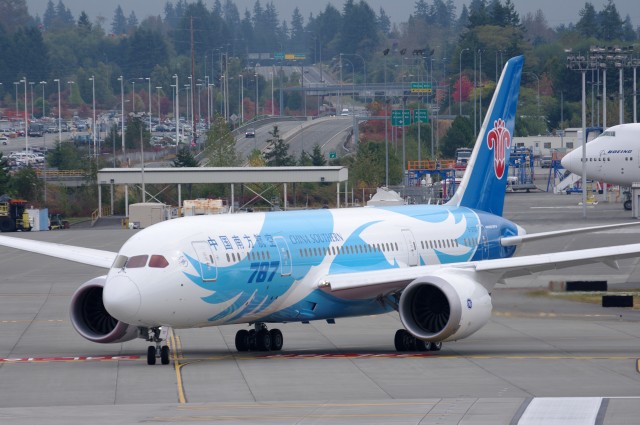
x: 4, y: 140
x: 545, y: 161
x: 250, y: 133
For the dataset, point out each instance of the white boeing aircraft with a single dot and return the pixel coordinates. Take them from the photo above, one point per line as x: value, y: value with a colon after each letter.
x: 612, y: 157
x: 435, y: 265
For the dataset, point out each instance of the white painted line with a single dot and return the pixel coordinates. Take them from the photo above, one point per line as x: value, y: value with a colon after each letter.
x: 561, y: 411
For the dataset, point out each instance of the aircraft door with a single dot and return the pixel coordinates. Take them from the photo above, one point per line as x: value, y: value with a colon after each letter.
x: 207, y: 261
x: 285, y: 255
x: 412, y: 249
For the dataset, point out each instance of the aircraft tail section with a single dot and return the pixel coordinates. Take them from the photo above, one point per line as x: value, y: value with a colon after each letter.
x: 484, y: 183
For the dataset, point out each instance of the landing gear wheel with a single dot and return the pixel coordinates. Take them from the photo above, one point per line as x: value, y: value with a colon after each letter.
x: 263, y: 340
x: 151, y: 355
x: 404, y: 341
x: 422, y: 345
x: 627, y: 205
x: 276, y: 339
x: 436, y: 346
x: 164, y: 354
x: 242, y: 340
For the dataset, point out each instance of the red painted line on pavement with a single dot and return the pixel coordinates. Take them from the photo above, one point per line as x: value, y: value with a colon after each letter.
x: 66, y: 359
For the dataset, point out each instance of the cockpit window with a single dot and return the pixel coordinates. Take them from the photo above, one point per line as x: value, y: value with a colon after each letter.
x: 158, y: 262
x: 137, y: 261
x: 120, y: 261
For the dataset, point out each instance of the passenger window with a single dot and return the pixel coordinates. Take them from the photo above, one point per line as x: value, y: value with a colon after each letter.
x: 137, y: 261
x: 159, y: 262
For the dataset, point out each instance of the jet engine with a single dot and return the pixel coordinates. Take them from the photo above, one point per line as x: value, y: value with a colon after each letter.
x: 91, y: 320
x: 446, y: 306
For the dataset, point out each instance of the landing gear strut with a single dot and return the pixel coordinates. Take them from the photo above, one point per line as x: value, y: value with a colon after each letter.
x: 404, y: 341
x: 259, y: 339
x: 158, y: 350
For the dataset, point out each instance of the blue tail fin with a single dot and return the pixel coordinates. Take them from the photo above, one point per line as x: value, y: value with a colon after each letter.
x: 485, y: 180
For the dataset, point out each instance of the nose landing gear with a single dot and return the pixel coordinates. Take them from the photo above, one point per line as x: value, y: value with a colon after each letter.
x: 157, y: 335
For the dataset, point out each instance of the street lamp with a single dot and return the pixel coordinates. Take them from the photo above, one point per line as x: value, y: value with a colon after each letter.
x: 460, y: 80
x: 31, y: 83
x: 257, y: 98
x: 16, y: 84
x: 133, y: 97
x: 93, y: 124
x: 149, y: 80
x: 57, y: 80
x: 158, y: 99
x: 26, y: 130
x: 177, y: 112
x: 43, y: 83
x: 364, y: 67
x: 121, y: 79
x: 241, y: 98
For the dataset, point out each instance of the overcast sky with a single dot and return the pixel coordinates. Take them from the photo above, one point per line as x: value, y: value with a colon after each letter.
x: 556, y: 11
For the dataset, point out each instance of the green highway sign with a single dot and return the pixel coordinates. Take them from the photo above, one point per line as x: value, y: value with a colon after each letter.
x: 420, y: 87
x: 420, y: 115
x: 401, y: 117
x: 332, y: 154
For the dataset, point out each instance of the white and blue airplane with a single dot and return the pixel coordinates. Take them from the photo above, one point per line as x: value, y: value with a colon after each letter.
x: 612, y: 157
x: 435, y: 265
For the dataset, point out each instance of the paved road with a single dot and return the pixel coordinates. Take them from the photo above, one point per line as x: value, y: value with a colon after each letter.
x: 537, y: 355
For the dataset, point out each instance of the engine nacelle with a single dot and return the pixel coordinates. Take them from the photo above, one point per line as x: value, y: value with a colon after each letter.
x: 446, y: 306
x: 91, y: 320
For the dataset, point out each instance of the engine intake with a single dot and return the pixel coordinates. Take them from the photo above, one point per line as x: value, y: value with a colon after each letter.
x: 448, y: 306
x: 92, y: 321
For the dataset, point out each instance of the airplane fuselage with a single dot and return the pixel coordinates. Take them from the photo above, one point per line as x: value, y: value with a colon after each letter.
x: 225, y: 269
x: 613, y: 157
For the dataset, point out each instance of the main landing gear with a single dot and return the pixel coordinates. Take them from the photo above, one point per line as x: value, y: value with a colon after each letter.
x: 158, y: 350
x: 259, y: 339
x: 404, y: 341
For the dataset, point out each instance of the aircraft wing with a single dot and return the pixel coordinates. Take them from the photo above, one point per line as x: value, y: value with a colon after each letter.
x: 89, y: 256
x: 518, y: 239
x: 382, y: 282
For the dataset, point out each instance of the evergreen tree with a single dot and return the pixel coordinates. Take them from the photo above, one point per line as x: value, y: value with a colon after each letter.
x: 13, y: 15
x: 610, y: 24
x: 132, y: 22
x: 64, y: 18
x: 184, y: 158
x: 277, y: 154
x: 317, y: 158
x: 221, y: 145
x: 588, y: 23
x: 5, y: 177
x: 119, y: 23
x: 459, y: 135
x: 49, y: 16
x: 84, y: 24
x: 384, y: 22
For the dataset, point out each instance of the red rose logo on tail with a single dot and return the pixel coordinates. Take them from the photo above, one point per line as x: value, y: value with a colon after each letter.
x: 499, y: 139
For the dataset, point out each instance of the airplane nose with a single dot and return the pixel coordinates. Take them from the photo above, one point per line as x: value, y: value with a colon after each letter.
x: 121, y: 298
x: 569, y: 162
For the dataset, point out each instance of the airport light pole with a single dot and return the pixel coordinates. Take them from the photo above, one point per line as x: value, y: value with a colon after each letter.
x: 16, y: 84
x: 133, y: 97
x: 43, y: 83
x: 26, y: 130
x: 460, y: 81
x: 583, y: 64
x: 177, y: 113
x: 121, y: 79
x: 158, y: 99
x: 31, y: 83
x: 241, y: 98
x: 149, y: 81
x: 93, y: 124
x: 57, y: 80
